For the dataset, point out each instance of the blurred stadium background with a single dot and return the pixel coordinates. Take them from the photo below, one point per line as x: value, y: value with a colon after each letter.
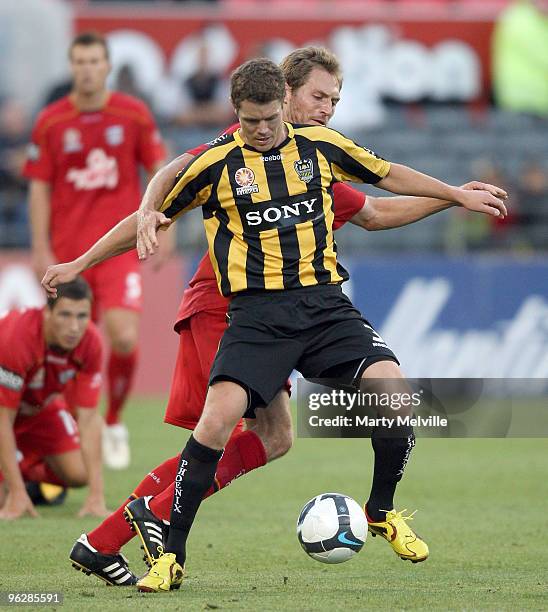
x: 457, y: 89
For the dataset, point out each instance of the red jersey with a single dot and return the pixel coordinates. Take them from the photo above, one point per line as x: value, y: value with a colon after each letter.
x: 33, y: 375
x: 203, y: 292
x: 91, y: 161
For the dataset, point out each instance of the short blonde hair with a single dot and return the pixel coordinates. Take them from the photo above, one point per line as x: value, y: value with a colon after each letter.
x: 298, y: 65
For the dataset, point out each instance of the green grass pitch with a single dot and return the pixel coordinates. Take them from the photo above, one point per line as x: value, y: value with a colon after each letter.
x: 481, y: 510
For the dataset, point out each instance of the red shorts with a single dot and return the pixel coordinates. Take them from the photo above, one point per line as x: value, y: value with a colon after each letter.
x: 198, y: 343
x: 52, y: 431
x: 116, y: 283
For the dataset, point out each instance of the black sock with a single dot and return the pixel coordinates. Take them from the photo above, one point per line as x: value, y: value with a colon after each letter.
x: 195, y: 473
x: 392, y: 449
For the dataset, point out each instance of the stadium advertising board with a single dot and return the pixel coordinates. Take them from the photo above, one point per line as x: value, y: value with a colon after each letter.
x: 407, y: 57
x: 481, y: 317
x: 444, y: 318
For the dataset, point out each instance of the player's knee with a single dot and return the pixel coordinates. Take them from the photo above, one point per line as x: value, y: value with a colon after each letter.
x: 76, y: 479
x: 213, y: 432
x: 124, y: 342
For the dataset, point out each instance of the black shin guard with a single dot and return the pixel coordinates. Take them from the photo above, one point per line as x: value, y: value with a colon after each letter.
x: 391, y: 456
x: 195, y: 473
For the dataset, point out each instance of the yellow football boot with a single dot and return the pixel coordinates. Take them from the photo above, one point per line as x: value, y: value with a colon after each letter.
x: 164, y: 575
x: 404, y: 541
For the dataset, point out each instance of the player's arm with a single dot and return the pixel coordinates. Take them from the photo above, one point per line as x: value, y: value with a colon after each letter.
x: 404, y: 180
x: 120, y: 239
x: 90, y: 424
x: 17, y: 501
x: 386, y: 213
x: 148, y: 217
x: 39, y: 215
x: 168, y: 239
x: 350, y: 162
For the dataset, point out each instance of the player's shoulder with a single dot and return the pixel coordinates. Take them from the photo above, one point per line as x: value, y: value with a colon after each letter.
x: 217, y: 152
x: 21, y: 319
x: 219, y: 140
x: 56, y: 112
x: 124, y: 102
x: 21, y: 330
x: 317, y: 132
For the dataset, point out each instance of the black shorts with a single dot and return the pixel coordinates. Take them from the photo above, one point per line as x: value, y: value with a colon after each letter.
x: 311, y: 330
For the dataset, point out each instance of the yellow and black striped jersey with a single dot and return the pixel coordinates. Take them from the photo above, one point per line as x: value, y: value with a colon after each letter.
x: 269, y: 216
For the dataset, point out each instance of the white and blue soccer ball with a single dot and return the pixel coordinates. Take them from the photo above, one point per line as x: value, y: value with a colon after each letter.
x: 332, y: 528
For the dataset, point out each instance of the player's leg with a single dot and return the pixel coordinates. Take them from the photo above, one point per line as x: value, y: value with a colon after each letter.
x: 198, y: 343
x: 392, y: 447
x: 346, y: 348
x: 122, y: 328
x: 225, y: 405
x: 184, y: 407
x: 117, y: 290
x: 392, y: 450
x: 247, y: 373
x: 267, y: 437
x: 50, y: 448
x: 274, y: 426
x: 270, y: 436
x: 69, y: 467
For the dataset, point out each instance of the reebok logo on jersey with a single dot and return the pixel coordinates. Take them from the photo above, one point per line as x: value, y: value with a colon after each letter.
x: 10, y: 380
x: 101, y: 171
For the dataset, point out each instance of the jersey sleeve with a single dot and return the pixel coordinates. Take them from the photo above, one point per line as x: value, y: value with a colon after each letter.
x: 348, y: 161
x: 348, y: 202
x: 39, y: 162
x: 195, y: 184
x: 151, y: 147
x: 16, y: 359
x: 87, y: 385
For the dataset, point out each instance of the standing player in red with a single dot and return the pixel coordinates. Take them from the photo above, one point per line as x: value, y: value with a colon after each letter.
x: 313, y: 77
x: 84, y: 168
x: 41, y: 352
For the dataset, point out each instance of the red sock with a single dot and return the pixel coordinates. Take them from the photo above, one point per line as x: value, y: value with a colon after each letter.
x: 121, y: 369
x: 244, y: 452
x: 114, y: 532
x: 40, y: 472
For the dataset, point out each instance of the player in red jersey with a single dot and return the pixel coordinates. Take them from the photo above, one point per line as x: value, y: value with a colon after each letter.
x: 201, y: 316
x: 41, y: 352
x: 84, y: 163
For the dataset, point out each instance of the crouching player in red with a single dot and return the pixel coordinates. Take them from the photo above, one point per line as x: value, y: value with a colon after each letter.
x: 42, y: 352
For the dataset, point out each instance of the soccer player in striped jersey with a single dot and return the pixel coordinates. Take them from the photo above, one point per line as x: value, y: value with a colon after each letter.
x: 312, y: 99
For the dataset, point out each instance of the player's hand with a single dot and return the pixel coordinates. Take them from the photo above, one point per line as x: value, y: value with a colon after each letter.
x: 41, y: 259
x: 60, y: 273
x: 166, y: 250
x: 16, y: 506
x: 94, y: 506
x: 148, y: 223
x: 484, y: 198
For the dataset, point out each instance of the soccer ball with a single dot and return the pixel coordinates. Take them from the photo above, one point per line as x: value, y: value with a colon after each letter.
x: 332, y: 528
